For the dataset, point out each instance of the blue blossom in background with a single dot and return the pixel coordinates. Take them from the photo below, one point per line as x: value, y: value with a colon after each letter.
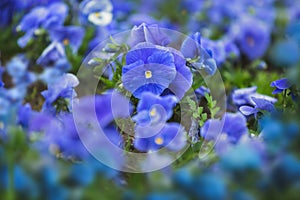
x: 153, y: 109
x: 253, y: 38
x: 68, y: 35
x: 23, y: 183
x: 293, y: 31
x: 63, y: 88
x: 241, y: 158
x: 148, y: 33
x: 284, y: 53
x: 280, y: 85
x: 234, y: 127
x: 191, y: 49
x: 215, y: 48
x: 286, y: 171
x: 171, y: 135
x: 210, y: 186
x: 54, y: 52
x: 243, y: 96
x: 41, y: 18
x: 97, y: 12
x: 17, y: 68
x: 7, y: 8
x: 259, y: 104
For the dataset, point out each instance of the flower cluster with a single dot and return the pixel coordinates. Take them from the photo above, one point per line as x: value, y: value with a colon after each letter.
x: 214, y: 112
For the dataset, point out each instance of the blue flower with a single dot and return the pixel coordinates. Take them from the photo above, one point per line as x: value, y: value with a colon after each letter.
x: 63, y: 88
x: 253, y: 38
x: 280, y: 85
x: 41, y: 17
x: 241, y: 158
x: 191, y: 49
x: 293, y: 31
x: 172, y: 136
x: 98, y: 12
x: 148, y: 68
x: 17, y: 67
x: 68, y: 35
x: 210, y: 186
x: 54, y: 52
x: 216, y: 49
x: 7, y: 8
x: 287, y: 171
x: 243, y: 96
x: 148, y: 33
x: 234, y: 127
x: 285, y: 53
x: 260, y: 103
x: 153, y: 109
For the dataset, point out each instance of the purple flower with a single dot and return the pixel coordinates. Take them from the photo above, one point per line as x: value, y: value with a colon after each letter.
x: 153, y: 109
x: 148, y: 68
x: 98, y: 12
x: 68, y: 35
x: 260, y: 103
x: 280, y: 85
x: 172, y: 136
x: 253, y: 38
x: 148, y: 33
x: 234, y: 127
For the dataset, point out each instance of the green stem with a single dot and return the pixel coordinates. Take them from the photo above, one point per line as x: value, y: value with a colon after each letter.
x: 11, y: 178
x: 284, y: 100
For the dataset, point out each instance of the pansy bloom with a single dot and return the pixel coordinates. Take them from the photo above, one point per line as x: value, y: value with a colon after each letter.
x: 148, y: 33
x: 98, y: 12
x: 172, y: 136
x: 62, y: 88
x: 253, y: 38
x: 260, y: 103
x: 191, y: 49
x: 151, y: 68
x: 280, y: 85
x: 234, y: 127
x: 68, y: 35
x: 153, y: 109
x: 41, y: 18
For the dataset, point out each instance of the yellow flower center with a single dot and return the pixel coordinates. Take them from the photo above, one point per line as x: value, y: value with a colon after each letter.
x: 148, y: 74
x: 66, y: 42
x: 159, y: 140
x: 97, y: 14
x: 152, y: 112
